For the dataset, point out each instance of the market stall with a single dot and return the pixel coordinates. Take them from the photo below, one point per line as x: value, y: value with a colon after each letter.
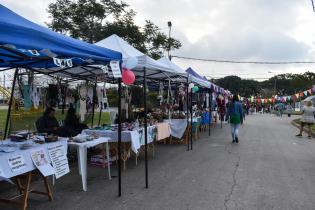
x: 146, y: 69
x: 24, y: 44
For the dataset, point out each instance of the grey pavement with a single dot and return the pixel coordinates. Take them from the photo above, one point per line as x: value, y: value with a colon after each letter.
x: 269, y: 169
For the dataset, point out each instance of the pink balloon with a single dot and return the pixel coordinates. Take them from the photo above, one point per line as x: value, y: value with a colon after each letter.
x: 128, y: 77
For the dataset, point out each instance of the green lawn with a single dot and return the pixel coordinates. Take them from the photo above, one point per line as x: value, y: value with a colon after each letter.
x: 26, y: 121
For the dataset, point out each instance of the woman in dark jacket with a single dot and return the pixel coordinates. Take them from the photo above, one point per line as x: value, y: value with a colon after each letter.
x: 72, y: 121
x: 48, y: 122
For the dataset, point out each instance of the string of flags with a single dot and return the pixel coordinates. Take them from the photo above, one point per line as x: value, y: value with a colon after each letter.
x: 282, y: 99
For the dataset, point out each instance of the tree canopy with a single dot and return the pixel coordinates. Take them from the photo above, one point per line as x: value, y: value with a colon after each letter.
x: 283, y: 84
x: 94, y: 20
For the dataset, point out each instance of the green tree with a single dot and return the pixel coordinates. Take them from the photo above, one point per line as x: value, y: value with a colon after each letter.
x: 239, y: 86
x: 282, y: 84
x: 94, y: 20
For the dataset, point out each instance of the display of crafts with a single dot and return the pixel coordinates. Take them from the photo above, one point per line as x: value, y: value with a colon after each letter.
x: 7, y: 148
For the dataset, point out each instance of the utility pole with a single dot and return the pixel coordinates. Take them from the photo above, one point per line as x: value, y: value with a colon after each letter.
x: 169, y: 24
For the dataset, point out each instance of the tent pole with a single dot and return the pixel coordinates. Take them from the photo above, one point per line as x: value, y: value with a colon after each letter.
x: 187, y: 113
x: 119, y: 137
x: 191, y: 120
x: 64, y: 97
x: 210, y: 109
x: 10, y: 104
x: 93, y: 101
x: 145, y: 127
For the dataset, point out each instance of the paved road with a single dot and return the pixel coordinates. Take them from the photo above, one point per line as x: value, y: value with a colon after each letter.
x: 269, y: 169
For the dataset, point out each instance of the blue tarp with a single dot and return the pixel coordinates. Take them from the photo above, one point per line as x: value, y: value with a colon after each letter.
x: 26, y: 44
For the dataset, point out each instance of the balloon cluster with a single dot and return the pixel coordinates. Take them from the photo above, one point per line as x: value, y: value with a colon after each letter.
x: 128, y: 77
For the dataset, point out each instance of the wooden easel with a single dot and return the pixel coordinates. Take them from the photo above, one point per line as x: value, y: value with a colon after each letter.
x: 25, y: 190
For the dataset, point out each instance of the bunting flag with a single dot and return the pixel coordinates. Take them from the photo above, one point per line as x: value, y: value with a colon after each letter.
x: 305, y: 93
x: 284, y: 99
x: 297, y: 95
x: 301, y: 94
x: 266, y: 100
x: 309, y: 91
x: 289, y: 98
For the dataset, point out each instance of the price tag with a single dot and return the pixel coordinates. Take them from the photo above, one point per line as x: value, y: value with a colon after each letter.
x: 114, y: 65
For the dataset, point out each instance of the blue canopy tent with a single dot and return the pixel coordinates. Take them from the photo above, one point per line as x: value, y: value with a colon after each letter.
x: 197, y: 79
x: 24, y: 44
x: 29, y: 45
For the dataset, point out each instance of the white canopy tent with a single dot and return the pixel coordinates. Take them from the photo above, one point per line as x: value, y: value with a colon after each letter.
x: 154, y: 69
x: 183, y: 73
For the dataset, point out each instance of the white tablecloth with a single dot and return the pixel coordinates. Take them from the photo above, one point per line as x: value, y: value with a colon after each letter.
x: 136, y: 137
x: 178, y: 127
x: 4, y: 164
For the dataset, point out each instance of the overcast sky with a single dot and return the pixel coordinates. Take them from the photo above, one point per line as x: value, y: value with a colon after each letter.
x: 246, y: 30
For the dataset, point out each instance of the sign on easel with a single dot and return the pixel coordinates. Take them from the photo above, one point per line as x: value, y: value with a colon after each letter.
x: 59, y: 160
x: 114, y: 65
x: 40, y: 160
x: 16, y: 163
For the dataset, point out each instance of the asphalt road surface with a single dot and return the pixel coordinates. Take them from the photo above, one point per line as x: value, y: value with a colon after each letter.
x: 269, y: 169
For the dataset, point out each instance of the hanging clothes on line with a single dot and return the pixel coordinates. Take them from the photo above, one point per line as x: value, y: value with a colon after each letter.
x: 102, y: 98
x: 161, y: 92
x: 27, y: 97
x: 35, y: 96
x: 83, y: 97
x: 52, y: 95
x: 89, y: 99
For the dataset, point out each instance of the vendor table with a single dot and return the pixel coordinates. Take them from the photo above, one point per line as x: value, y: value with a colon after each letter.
x: 25, y: 170
x: 135, y: 137
x: 163, y: 131
x: 178, y: 127
x: 29, y: 165
x: 82, y: 156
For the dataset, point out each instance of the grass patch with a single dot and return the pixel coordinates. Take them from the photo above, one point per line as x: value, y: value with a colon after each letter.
x: 26, y: 121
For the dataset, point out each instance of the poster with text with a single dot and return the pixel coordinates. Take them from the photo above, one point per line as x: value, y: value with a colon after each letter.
x: 57, y: 154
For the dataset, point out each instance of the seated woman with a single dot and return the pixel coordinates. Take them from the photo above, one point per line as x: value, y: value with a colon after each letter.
x: 49, y: 124
x: 72, y: 122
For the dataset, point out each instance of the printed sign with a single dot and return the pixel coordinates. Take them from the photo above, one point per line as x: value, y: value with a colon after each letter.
x: 59, y: 160
x: 40, y: 160
x: 114, y: 65
x: 16, y: 163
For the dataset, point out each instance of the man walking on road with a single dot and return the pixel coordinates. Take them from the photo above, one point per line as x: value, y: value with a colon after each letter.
x: 236, y: 117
